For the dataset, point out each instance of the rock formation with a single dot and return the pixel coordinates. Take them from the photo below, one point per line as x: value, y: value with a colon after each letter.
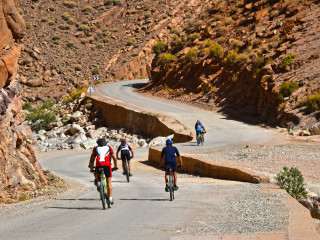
x: 18, y: 165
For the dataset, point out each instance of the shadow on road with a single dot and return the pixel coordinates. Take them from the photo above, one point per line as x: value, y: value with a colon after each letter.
x: 144, y: 199
x: 77, y: 208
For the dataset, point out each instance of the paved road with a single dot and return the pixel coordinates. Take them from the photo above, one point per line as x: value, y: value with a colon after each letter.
x: 220, y: 130
x: 204, y: 207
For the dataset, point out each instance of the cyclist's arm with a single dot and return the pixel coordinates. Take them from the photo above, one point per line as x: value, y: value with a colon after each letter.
x: 115, y: 163
x: 180, y: 158
x: 92, y: 158
x: 162, y: 158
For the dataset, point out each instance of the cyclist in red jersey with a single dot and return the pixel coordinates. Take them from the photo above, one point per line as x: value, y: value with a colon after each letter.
x: 103, y: 154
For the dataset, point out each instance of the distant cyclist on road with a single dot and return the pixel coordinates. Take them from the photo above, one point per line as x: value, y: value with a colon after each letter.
x: 168, y: 156
x: 199, y: 128
x: 103, y: 154
x: 125, y: 150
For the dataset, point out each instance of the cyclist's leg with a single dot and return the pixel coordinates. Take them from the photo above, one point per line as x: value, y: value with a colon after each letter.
x: 166, y: 169
x: 123, y: 159
x: 174, y: 170
x: 108, y: 173
x: 128, y: 160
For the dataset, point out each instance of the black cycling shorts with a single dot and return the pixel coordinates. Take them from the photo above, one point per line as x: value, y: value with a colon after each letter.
x: 107, y: 171
x: 125, y: 155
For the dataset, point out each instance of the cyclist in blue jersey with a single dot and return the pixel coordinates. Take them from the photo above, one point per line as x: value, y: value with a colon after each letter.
x: 199, y: 128
x: 168, y: 157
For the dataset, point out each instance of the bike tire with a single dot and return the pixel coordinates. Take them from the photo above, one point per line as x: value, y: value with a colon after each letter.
x: 103, y: 194
x: 171, y: 188
x: 127, y: 172
x: 198, y: 141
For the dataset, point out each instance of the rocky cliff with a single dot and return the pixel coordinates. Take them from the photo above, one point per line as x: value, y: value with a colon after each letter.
x: 20, y: 171
x: 259, y: 59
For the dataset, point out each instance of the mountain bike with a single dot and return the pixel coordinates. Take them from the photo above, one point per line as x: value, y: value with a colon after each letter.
x: 200, y: 138
x: 104, y: 195
x: 171, y: 183
x: 126, y: 169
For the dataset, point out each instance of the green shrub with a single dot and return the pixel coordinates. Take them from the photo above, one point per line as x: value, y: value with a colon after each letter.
x: 288, y: 59
x: 70, y: 44
x: 87, y: 9
x: 191, y: 55
x: 241, y: 58
x: 46, y: 114
x: 131, y: 42
x: 112, y: 2
x: 75, y: 94
x: 312, y: 102
x: 56, y: 38
x: 166, y: 58
x: 159, y: 47
x: 28, y: 26
x: 292, y: 181
x: 236, y: 44
x: 193, y: 36
x: 51, y: 22
x: 70, y: 4
x: 258, y: 62
x: 83, y: 27
x: 287, y: 88
x: 215, y: 51
x: 64, y: 26
x: 66, y: 16
x: 95, y: 71
x: 45, y: 19
x: 106, y: 39
x: 231, y: 57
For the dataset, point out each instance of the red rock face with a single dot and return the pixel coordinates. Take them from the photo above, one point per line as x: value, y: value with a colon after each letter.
x: 18, y: 164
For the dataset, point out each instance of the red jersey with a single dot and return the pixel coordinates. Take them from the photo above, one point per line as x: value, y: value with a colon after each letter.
x: 102, y: 155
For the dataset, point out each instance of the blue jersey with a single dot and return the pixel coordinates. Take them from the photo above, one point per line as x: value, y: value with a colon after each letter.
x: 170, y: 153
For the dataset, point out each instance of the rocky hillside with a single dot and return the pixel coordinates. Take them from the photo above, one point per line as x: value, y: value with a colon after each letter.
x: 69, y: 42
x: 258, y: 59
x: 19, y: 170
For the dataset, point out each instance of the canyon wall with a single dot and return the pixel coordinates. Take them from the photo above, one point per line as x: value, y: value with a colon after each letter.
x: 18, y: 165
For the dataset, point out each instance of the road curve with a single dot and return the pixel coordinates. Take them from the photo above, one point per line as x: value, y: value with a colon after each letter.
x: 221, y: 131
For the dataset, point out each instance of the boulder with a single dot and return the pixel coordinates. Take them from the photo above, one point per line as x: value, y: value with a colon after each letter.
x: 315, y: 129
x: 143, y: 143
x: 77, y: 138
x: 89, y: 143
x: 94, y: 134
x: 76, y: 116
x: 75, y: 128
x: 159, y: 141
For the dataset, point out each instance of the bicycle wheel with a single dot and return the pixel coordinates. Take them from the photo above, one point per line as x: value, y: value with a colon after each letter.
x: 202, y: 140
x: 126, y: 167
x: 102, y: 193
x: 171, y: 187
x: 198, y: 140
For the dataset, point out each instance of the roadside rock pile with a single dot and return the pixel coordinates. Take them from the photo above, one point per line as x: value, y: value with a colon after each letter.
x: 78, y: 126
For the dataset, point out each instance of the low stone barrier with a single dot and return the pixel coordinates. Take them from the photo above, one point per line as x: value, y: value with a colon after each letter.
x: 207, y: 169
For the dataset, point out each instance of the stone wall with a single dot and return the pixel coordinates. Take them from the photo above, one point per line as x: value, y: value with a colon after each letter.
x: 18, y: 165
x: 207, y: 169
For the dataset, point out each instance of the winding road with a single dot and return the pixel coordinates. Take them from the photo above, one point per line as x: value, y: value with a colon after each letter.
x: 204, y: 208
x: 221, y: 131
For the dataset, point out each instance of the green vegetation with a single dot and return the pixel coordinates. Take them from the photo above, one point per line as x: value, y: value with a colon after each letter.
x: 231, y: 57
x: 166, y: 58
x: 87, y: 9
x: 28, y: 26
x: 70, y: 44
x: 95, y: 71
x: 159, y: 47
x: 43, y: 115
x: 83, y: 27
x: 258, y: 62
x: 45, y: 19
x: 78, y: 67
x: 75, y: 94
x: 292, y: 181
x: 70, y: 4
x: 191, y: 55
x: 236, y: 44
x: 64, y: 26
x: 131, y: 42
x: 288, y: 59
x: 193, y: 36
x: 241, y: 58
x: 106, y: 39
x: 287, y: 88
x: 215, y: 51
x: 312, y: 102
x: 113, y: 2
x: 51, y: 22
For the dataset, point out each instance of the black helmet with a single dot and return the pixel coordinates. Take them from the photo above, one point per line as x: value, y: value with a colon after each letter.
x: 102, y: 141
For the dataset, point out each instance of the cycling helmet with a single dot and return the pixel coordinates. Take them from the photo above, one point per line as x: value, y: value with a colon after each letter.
x: 123, y: 143
x: 169, y: 141
x: 102, y: 142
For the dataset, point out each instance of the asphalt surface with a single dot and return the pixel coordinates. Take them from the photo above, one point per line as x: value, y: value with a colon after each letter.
x: 221, y: 131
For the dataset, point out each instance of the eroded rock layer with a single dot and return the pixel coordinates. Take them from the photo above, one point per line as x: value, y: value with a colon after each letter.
x: 18, y: 165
